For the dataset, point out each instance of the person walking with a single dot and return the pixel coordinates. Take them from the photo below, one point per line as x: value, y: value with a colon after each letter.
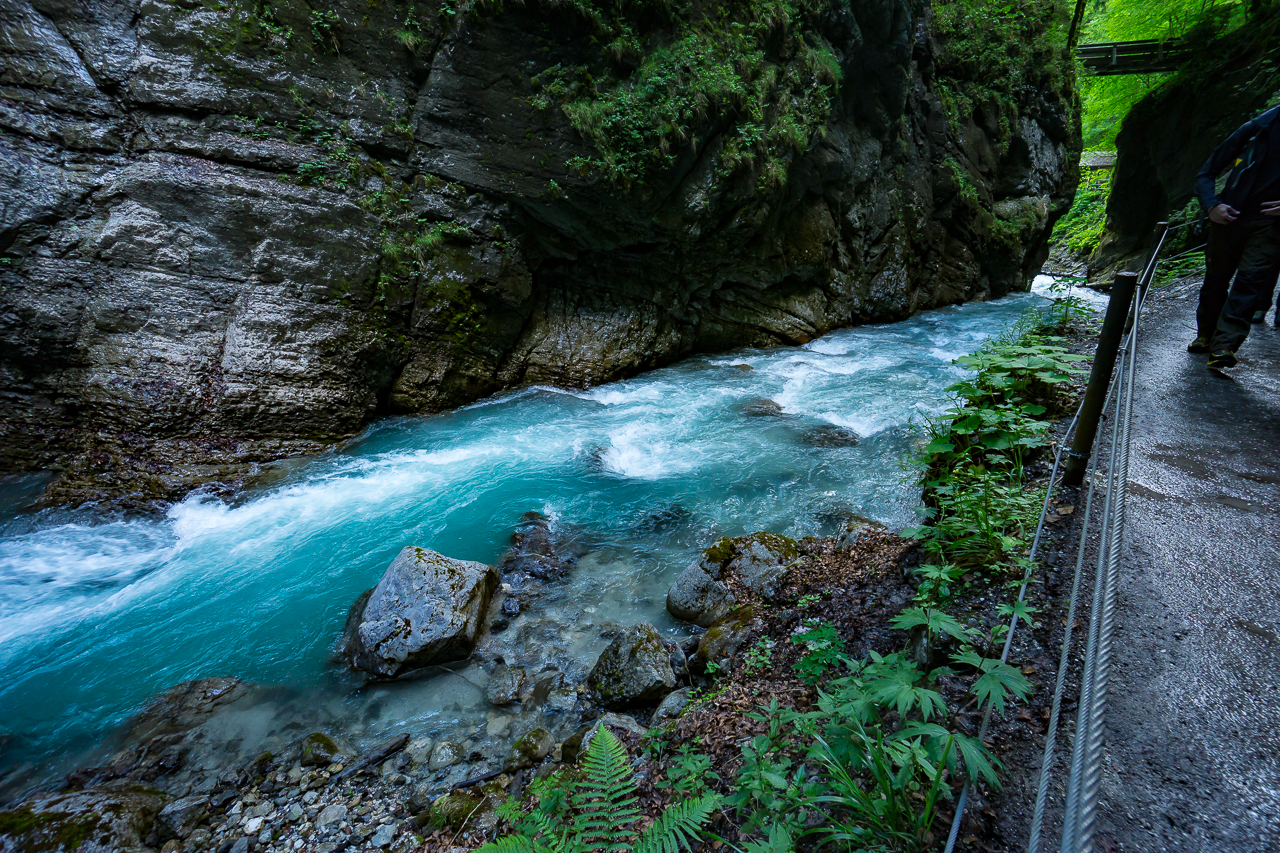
x: 1244, y: 236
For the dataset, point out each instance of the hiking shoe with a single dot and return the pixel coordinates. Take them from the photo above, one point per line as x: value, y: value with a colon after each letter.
x: 1222, y: 358
x: 1199, y: 346
x: 1259, y: 316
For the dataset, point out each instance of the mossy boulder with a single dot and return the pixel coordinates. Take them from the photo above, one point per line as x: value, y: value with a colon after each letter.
x: 725, y: 638
x: 427, y: 609
x: 103, y: 820
x: 752, y: 565
x: 635, y: 669
x: 530, y: 749
x: 319, y: 750
x: 468, y: 808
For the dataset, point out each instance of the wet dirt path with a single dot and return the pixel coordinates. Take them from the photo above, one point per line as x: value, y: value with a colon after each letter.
x: 1193, y: 726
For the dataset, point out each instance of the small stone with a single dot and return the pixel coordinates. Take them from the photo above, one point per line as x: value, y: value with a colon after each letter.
x: 294, y: 813
x: 384, y: 836
x: 671, y: 706
x: 252, y: 825
x: 241, y: 846
x: 446, y: 754
x: 173, y: 845
x: 504, y: 687
x: 331, y: 814
x: 180, y: 817
x: 264, y: 837
x: 310, y: 797
x: 419, y: 750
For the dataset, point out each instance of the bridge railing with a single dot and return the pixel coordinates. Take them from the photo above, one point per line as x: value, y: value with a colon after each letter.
x: 1133, y: 57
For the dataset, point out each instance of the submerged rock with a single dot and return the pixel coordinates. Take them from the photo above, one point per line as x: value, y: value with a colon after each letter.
x: 634, y: 669
x: 319, y: 750
x: 762, y: 407
x: 536, y: 550
x: 427, y: 609
x: 830, y: 436
x: 702, y: 593
x: 505, y: 685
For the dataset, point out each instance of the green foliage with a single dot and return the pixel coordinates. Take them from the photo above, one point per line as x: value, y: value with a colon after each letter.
x: 1189, y: 264
x: 757, y: 66
x: 935, y: 621
x: 1107, y: 100
x: 823, y: 649
x: 873, y: 768
x: 599, y: 811
x: 997, y: 682
x: 1082, y: 227
x: 978, y: 514
x: 689, y: 773
x: 759, y: 657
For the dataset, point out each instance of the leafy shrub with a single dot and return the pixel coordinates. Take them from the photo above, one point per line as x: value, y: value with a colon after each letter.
x: 873, y: 767
x: 823, y: 649
x: 598, y: 812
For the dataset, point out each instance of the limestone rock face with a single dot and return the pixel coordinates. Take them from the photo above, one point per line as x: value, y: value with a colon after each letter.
x: 634, y: 669
x: 426, y: 609
x: 228, y: 238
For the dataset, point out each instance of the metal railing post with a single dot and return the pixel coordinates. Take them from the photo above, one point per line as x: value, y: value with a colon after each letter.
x: 1104, y: 362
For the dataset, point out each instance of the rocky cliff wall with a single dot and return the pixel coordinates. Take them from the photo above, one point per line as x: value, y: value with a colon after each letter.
x: 231, y: 230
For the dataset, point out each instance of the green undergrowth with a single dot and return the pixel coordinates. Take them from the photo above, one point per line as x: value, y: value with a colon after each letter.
x: 979, y: 510
x: 666, y: 73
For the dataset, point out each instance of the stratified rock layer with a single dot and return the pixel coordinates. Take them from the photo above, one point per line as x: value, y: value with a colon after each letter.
x: 235, y: 231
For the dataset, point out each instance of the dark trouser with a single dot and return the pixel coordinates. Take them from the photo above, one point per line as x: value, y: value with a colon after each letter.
x: 1252, y: 251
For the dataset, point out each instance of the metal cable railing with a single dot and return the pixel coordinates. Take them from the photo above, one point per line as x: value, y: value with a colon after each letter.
x: 1084, y: 781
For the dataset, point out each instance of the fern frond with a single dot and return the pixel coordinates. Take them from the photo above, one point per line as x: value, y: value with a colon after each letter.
x: 678, y: 827
x: 518, y: 843
x: 605, y: 798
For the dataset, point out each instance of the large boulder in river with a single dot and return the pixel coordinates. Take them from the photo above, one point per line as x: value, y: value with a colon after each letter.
x: 427, y: 609
x: 633, y: 670
x: 729, y: 571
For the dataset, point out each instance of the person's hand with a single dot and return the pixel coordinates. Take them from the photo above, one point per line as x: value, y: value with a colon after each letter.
x: 1271, y: 208
x: 1224, y: 214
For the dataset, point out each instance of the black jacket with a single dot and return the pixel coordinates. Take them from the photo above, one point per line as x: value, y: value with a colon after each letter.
x: 1242, y: 151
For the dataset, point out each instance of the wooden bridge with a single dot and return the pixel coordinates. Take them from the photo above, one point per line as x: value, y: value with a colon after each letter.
x: 1132, y: 57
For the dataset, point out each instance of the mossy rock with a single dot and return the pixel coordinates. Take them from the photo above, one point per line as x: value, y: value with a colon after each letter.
x: 91, y: 820
x: 702, y: 594
x: 319, y: 750
x: 635, y: 669
x: 530, y: 749
x: 473, y: 808
x: 725, y: 638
